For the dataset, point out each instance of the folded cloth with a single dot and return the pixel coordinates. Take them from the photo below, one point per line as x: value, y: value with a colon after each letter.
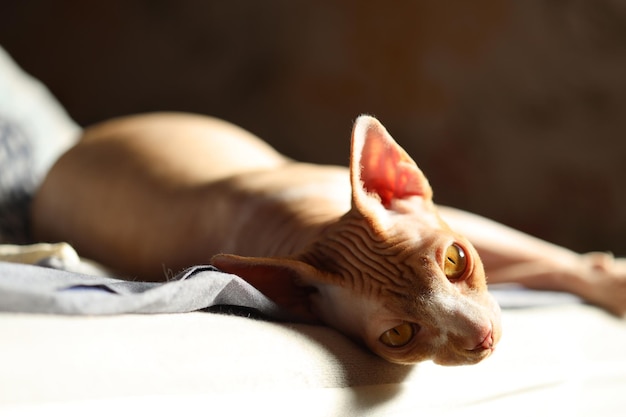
x: 36, y: 289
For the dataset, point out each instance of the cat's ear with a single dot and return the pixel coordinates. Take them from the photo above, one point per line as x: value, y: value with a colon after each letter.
x: 282, y: 280
x: 380, y: 168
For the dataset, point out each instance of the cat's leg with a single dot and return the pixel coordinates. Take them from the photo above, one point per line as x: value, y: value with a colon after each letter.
x: 512, y: 256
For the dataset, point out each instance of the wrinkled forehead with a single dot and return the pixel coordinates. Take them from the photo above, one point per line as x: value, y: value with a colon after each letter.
x: 418, y: 269
x: 418, y: 279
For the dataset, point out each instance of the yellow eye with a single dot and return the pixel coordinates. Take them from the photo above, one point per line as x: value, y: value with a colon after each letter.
x: 398, y: 336
x: 455, y: 263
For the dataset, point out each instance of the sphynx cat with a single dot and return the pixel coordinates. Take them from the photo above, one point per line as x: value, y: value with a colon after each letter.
x: 364, y: 250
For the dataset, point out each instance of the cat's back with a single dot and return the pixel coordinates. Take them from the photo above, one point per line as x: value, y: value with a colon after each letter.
x: 183, y: 146
x: 142, y: 186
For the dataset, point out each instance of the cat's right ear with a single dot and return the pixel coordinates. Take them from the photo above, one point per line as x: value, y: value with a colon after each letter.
x: 380, y: 170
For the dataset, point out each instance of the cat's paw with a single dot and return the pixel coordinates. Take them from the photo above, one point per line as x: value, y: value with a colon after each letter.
x: 606, y: 279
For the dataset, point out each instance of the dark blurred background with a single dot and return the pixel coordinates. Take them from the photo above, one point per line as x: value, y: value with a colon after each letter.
x: 514, y: 109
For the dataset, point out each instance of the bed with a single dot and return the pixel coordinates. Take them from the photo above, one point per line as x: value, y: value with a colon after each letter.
x: 75, y: 341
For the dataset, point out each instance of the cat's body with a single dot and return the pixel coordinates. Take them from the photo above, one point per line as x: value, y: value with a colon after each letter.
x: 364, y: 250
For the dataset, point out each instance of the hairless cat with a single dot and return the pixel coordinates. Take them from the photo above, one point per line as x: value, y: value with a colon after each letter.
x: 364, y: 250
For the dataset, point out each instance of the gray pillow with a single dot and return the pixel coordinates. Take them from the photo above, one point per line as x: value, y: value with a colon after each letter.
x: 34, y: 131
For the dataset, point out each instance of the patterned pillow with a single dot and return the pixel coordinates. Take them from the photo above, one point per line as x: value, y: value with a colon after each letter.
x: 34, y: 131
x: 17, y: 182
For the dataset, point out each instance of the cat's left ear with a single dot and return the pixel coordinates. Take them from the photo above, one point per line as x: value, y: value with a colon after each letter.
x: 380, y: 168
x: 280, y: 279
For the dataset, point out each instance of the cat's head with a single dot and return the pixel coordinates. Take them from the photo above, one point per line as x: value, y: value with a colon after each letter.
x: 390, y: 273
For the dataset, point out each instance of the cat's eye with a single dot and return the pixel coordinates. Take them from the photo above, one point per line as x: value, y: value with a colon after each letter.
x: 455, y: 262
x: 398, y: 336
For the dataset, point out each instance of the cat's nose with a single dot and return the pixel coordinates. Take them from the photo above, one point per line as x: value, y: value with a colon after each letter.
x: 487, y: 342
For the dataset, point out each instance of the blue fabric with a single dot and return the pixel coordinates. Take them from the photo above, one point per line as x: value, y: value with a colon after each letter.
x: 36, y: 289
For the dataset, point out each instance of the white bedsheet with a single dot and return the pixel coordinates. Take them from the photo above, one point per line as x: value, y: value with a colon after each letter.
x: 563, y: 360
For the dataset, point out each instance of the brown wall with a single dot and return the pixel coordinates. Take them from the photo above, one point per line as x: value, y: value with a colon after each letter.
x: 515, y: 110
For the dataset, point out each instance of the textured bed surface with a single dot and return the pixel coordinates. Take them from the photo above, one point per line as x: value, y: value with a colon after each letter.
x: 565, y: 360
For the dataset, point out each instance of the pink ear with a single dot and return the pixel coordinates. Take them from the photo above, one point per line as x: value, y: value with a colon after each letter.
x: 379, y: 166
x: 276, y: 278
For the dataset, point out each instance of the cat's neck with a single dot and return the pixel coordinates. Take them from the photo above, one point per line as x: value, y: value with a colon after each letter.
x: 275, y: 213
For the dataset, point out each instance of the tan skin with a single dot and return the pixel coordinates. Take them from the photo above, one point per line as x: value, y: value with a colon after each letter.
x: 95, y: 164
